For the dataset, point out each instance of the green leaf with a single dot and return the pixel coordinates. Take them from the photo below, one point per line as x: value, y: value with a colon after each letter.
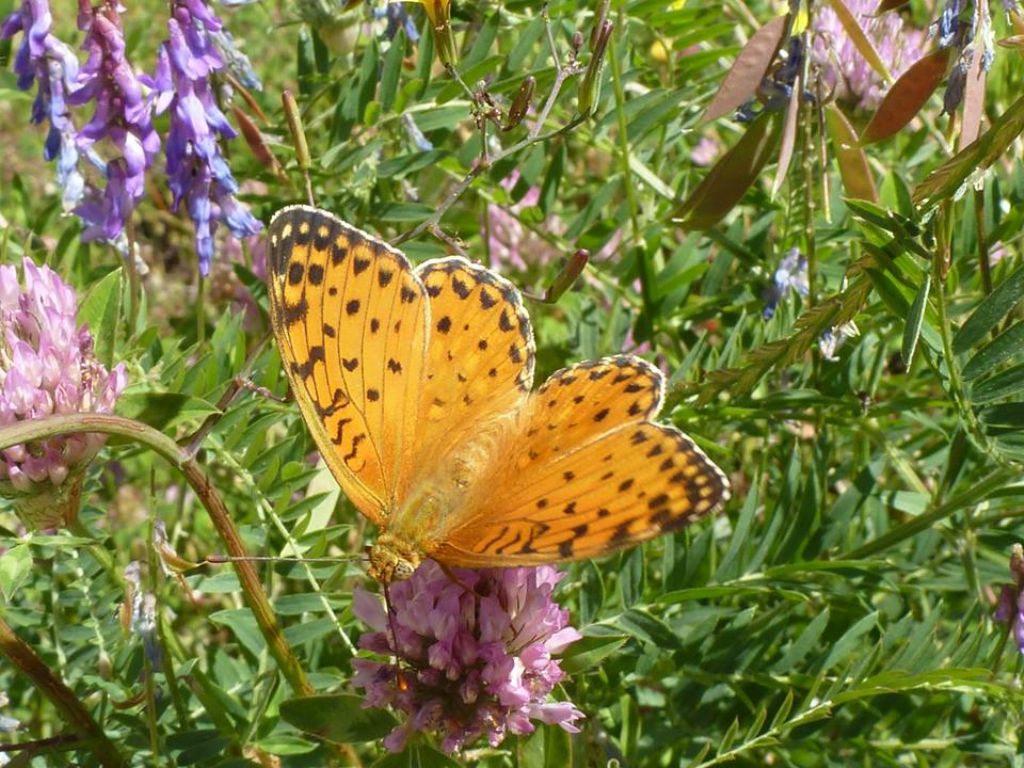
x: 1003, y: 384
x: 913, y: 328
x: 851, y: 641
x: 15, y: 569
x: 307, y: 631
x: 990, y: 312
x: 948, y: 178
x: 286, y: 744
x: 417, y: 756
x: 483, y: 39
x: 588, y: 653
x: 730, y: 566
x: 644, y: 626
x: 525, y: 40
x: 1004, y: 415
x: 100, y: 311
x: 1004, y: 347
x: 162, y: 410
x: 391, y: 72
x: 803, y: 645
x: 403, y: 165
x: 858, y: 181
x: 339, y: 718
x: 243, y: 624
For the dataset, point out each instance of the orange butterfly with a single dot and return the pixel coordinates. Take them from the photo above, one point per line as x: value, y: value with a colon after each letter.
x: 416, y: 386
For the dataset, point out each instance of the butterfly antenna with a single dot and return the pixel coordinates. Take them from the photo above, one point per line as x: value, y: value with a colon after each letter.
x: 223, y: 559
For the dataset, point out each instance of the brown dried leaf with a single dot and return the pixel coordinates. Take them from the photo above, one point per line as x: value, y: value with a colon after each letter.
x: 789, y: 128
x: 749, y: 69
x: 889, y: 5
x: 858, y: 180
x: 907, y: 96
x: 257, y: 144
x: 864, y: 46
x: 731, y: 176
x: 974, y: 90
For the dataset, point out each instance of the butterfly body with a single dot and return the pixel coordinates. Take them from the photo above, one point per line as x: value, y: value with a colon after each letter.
x: 416, y: 386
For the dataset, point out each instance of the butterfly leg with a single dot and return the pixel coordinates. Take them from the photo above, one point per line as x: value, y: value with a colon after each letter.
x: 454, y: 578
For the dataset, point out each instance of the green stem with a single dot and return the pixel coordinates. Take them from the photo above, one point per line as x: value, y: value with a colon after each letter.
x: 957, y: 391
x: 971, y: 496
x: 252, y: 591
x: 63, y: 698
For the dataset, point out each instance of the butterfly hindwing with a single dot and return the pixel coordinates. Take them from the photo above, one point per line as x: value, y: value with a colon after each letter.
x: 579, y: 403
x: 350, y: 319
x: 603, y: 478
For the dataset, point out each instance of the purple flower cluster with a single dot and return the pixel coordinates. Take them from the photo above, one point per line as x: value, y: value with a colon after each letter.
x: 474, y: 657
x: 44, y: 59
x: 121, y: 114
x: 898, y: 45
x: 47, y: 367
x: 123, y: 102
x: 1010, y: 609
x: 197, y: 172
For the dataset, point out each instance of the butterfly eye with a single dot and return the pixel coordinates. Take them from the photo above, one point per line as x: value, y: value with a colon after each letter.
x: 403, y: 570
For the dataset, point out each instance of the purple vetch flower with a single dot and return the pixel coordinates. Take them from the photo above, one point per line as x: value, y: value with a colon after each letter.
x: 8, y: 725
x: 470, y: 663
x: 47, y: 367
x: 45, y: 60
x: 122, y: 114
x: 832, y: 339
x: 236, y: 60
x: 141, y: 608
x: 197, y: 172
x: 961, y: 28
x: 398, y: 17
x: 898, y: 44
x: 776, y: 87
x: 790, y: 275
x: 421, y: 142
x: 1010, y: 608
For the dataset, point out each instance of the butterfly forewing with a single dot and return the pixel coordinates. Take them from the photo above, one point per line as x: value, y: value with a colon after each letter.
x: 351, y: 323
x: 480, y: 359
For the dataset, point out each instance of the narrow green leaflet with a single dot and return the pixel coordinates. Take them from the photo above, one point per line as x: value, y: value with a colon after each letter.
x: 990, y: 312
x: 912, y: 330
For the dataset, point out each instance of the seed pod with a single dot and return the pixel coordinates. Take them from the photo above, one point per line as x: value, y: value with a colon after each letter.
x: 591, y: 83
x: 521, y: 103
x: 563, y: 281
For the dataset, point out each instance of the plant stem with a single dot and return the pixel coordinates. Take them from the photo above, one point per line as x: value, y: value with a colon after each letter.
x: 63, y: 698
x: 974, y: 495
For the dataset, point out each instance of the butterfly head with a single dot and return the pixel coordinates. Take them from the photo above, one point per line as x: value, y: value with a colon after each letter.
x: 392, y: 559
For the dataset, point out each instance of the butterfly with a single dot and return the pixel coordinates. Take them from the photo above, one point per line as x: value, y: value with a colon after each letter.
x: 416, y: 386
